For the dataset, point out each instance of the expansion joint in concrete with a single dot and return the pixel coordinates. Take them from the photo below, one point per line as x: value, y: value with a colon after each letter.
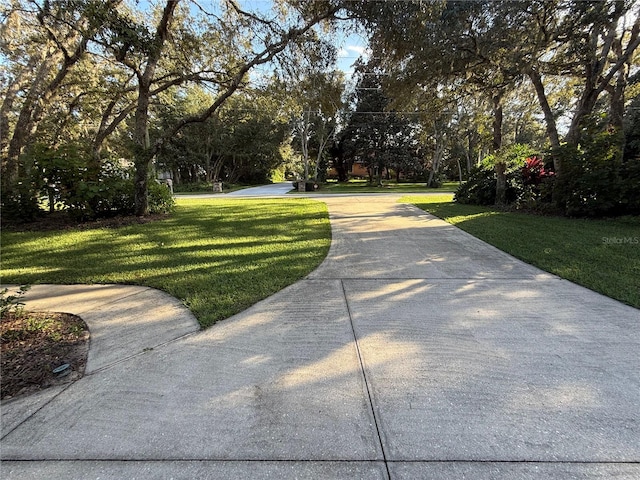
x: 366, y: 380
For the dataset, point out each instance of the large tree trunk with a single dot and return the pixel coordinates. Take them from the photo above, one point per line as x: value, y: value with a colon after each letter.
x: 549, y: 118
x: 322, y: 143
x: 597, y: 80
x: 143, y: 153
x: 142, y: 157
x: 497, y: 120
x: 616, y: 103
x: 500, y: 167
x: 437, y: 159
x: 469, y: 152
x: 24, y: 126
x: 304, y: 144
x: 7, y: 107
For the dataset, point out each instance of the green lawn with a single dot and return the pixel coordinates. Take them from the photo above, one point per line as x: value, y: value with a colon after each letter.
x: 362, y: 186
x: 217, y: 256
x: 206, y: 188
x: 603, y: 255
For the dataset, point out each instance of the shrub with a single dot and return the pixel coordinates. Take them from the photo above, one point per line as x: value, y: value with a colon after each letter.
x: 277, y: 175
x: 21, y: 203
x: 480, y: 189
x: 193, y: 187
x: 110, y: 194
x: 12, y: 302
x: 630, y: 190
x: 437, y: 180
x: 591, y: 183
x: 160, y: 198
x: 523, y: 183
x: 534, y: 172
x: 534, y: 185
x: 632, y: 128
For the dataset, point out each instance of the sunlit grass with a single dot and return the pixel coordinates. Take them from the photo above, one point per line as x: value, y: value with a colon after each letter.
x: 603, y: 255
x: 217, y: 256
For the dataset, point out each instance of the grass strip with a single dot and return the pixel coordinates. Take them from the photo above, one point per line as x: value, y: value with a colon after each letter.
x: 218, y: 256
x: 602, y: 255
x: 362, y: 186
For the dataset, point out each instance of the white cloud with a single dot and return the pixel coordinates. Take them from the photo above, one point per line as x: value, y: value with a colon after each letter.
x: 353, y: 51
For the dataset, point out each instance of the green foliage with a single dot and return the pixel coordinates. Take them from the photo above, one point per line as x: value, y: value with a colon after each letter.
x: 87, y: 191
x: 629, y: 187
x: 480, y: 189
x: 62, y: 178
x: 68, y: 182
x: 513, y: 156
x: 59, y: 172
x: 192, y: 187
x: 160, y: 198
x: 314, y: 99
x: 74, y: 71
x: 21, y: 203
x: 240, y: 144
x: 632, y: 129
x: 594, y: 180
x: 277, y: 175
x: 106, y: 197
x: 34, y: 325
x: 12, y: 302
x: 376, y: 136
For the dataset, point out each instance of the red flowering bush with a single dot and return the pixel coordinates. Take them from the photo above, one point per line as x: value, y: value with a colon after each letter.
x: 533, y: 171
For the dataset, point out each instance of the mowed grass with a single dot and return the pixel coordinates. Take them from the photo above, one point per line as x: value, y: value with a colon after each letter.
x: 362, y: 186
x: 603, y: 255
x: 217, y: 256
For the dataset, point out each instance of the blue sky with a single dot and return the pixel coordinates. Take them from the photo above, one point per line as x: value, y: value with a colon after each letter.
x: 351, y: 47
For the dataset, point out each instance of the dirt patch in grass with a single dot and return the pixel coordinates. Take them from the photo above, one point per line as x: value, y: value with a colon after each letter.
x: 34, y: 344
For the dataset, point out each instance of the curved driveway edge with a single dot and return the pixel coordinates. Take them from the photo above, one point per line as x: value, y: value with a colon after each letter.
x: 123, y: 320
x: 414, y: 351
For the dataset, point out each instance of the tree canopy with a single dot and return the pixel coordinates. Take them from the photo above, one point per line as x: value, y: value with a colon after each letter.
x: 575, y: 56
x: 49, y: 47
x: 233, y: 90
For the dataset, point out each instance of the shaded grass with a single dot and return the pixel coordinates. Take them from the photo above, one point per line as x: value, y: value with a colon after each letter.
x: 201, y: 188
x: 362, y: 186
x: 217, y: 256
x: 602, y: 255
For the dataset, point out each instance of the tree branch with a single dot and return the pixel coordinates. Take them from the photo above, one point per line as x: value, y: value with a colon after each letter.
x: 259, y: 59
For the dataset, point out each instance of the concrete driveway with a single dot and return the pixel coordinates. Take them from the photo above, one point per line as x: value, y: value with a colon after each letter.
x: 414, y: 351
x: 275, y: 189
